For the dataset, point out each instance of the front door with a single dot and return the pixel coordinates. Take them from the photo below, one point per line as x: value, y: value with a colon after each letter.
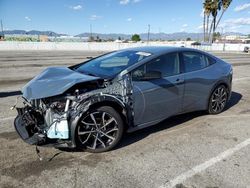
x: 158, y: 98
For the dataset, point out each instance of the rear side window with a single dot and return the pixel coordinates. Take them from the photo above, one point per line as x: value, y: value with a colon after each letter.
x: 193, y: 61
x: 210, y: 60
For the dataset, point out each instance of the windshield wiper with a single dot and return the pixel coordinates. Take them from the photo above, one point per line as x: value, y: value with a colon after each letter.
x: 91, y: 74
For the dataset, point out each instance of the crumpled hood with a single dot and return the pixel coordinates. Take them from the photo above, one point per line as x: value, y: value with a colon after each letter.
x: 53, y: 81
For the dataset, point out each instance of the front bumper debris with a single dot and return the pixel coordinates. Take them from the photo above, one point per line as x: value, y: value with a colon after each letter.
x: 26, y: 126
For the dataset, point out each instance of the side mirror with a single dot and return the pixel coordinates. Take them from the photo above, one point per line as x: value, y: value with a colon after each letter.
x: 152, y: 75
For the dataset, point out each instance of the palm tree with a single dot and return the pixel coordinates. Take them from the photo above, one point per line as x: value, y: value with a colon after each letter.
x: 225, y: 5
x: 215, y: 7
x: 207, y: 11
x: 204, y: 26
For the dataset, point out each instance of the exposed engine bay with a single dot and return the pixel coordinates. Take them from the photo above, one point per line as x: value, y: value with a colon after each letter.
x: 51, y: 118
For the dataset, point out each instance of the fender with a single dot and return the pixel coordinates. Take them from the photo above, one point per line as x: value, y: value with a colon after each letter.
x: 220, y: 82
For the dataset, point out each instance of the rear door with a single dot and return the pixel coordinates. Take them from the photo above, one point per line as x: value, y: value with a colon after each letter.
x: 158, y: 99
x: 199, y: 79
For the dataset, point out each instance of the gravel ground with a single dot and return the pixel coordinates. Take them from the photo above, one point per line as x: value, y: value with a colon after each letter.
x: 191, y: 150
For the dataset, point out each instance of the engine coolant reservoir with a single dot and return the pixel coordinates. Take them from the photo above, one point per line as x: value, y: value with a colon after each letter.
x: 60, y: 128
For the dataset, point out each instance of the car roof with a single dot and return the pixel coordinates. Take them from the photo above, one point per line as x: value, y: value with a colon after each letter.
x: 157, y: 50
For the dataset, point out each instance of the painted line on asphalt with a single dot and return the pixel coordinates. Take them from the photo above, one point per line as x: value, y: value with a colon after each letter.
x: 7, y: 118
x: 201, y: 119
x: 202, y: 167
x: 228, y: 116
x: 239, y: 79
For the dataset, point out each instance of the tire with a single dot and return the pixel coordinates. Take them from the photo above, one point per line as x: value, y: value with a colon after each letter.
x: 246, y: 49
x: 218, y: 100
x: 99, y: 130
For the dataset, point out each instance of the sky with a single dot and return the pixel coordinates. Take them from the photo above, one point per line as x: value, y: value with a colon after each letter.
x: 118, y: 16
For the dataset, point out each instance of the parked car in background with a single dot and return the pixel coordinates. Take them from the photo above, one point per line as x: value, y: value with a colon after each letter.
x: 90, y: 105
x: 246, y: 49
x: 196, y: 44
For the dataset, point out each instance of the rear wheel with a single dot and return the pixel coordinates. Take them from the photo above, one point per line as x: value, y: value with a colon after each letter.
x: 100, y: 130
x: 218, y: 100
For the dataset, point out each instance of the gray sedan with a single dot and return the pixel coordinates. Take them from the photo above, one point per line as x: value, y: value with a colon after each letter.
x: 91, y: 105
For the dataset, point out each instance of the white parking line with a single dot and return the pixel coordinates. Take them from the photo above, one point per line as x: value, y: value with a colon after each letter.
x: 239, y: 79
x: 6, y: 119
x: 228, y: 116
x: 199, y: 168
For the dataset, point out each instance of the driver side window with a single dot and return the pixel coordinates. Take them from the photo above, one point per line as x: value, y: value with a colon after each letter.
x: 167, y: 65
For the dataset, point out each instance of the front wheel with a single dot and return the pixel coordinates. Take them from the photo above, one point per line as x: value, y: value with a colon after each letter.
x: 99, y: 130
x: 218, y: 100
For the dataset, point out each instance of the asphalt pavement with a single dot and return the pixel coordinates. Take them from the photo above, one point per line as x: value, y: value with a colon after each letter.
x: 190, y: 150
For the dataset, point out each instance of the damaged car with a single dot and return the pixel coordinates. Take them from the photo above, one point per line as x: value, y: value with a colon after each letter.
x: 92, y: 104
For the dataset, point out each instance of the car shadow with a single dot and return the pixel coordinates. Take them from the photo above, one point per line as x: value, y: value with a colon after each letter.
x: 9, y: 94
x: 235, y: 98
x: 136, y: 136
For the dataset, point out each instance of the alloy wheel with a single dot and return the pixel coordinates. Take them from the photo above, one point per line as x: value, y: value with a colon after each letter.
x: 218, y: 100
x: 98, y: 130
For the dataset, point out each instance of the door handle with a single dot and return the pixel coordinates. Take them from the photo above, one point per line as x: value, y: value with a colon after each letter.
x: 179, y: 81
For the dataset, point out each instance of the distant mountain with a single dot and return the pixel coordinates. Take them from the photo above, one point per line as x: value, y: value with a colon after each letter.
x: 173, y: 36
x: 144, y: 36
x: 32, y: 32
x: 153, y: 36
x: 105, y: 36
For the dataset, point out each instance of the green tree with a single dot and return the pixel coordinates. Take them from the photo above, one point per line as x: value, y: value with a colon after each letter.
x: 136, y: 37
x: 216, y: 36
x: 188, y: 39
x: 91, y: 39
x: 98, y: 39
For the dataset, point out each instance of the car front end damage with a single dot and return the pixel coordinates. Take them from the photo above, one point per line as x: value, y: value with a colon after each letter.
x: 52, y: 105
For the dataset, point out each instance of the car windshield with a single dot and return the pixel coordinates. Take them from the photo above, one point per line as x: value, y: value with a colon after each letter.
x: 111, y: 64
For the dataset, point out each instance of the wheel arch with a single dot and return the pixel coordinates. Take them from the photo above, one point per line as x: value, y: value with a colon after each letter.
x: 217, y: 84
x: 96, y: 102
x: 114, y: 104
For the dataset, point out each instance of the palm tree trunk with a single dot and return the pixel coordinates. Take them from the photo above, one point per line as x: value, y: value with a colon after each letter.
x: 210, y: 31
x: 214, y: 24
x: 207, y: 36
x: 220, y: 18
x: 204, y: 27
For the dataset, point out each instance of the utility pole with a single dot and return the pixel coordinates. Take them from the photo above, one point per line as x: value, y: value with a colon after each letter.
x: 91, y: 35
x: 160, y: 33
x: 148, y: 32
x: 91, y: 30
x: 224, y: 42
x: 2, y: 29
